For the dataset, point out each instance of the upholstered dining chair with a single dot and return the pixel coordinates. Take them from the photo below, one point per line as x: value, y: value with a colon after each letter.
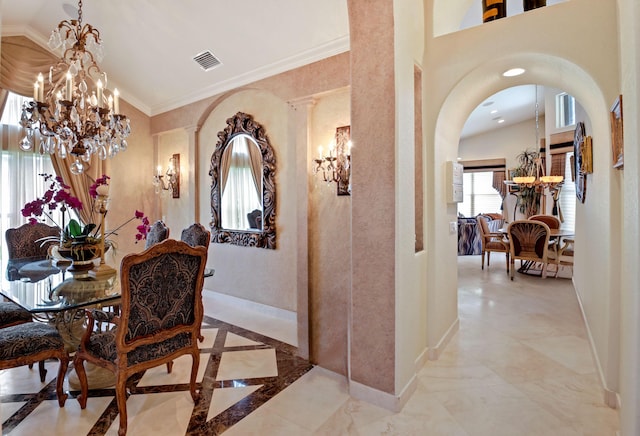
x: 157, y: 233
x: 529, y: 242
x: 255, y: 219
x: 491, y: 241
x: 196, y: 234
x: 30, y: 342
x: 23, y: 243
x: 160, y: 317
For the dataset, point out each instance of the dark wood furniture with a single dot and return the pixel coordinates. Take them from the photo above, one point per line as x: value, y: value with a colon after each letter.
x: 160, y: 317
x: 27, y: 343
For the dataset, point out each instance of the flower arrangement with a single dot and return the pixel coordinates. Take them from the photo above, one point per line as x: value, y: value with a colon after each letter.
x: 58, y: 196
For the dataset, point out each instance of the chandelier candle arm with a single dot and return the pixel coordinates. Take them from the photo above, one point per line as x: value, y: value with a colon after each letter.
x: 71, y: 118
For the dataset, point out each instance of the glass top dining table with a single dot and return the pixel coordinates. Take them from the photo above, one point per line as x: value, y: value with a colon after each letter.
x: 45, y: 286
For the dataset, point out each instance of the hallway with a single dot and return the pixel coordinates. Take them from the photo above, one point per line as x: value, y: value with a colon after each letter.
x: 520, y: 365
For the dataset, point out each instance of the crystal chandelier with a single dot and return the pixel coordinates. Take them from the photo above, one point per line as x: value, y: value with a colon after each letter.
x: 77, y: 115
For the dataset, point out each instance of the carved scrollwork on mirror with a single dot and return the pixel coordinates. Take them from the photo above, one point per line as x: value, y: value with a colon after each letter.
x: 243, y: 189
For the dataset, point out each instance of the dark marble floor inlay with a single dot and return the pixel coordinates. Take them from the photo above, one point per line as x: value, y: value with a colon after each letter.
x: 289, y: 366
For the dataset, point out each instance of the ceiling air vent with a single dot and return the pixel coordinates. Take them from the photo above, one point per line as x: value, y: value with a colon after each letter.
x: 206, y: 60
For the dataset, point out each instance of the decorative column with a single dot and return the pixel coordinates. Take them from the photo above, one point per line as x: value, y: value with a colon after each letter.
x: 372, y: 330
x: 300, y: 113
x: 194, y: 173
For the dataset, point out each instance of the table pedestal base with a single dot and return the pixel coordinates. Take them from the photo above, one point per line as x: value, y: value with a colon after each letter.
x: 97, y: 377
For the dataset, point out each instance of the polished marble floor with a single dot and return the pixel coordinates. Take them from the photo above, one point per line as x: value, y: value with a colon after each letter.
x: 520, y: 365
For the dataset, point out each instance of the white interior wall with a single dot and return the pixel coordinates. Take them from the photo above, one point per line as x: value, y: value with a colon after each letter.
x: 586, y: 67
x: 629, y: 181
x: 410, y: 268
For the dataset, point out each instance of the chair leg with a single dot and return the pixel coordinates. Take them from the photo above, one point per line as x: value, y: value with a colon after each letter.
x: 78, y: 365
x: 488, y: 258
x: 62, y: 371
x: 169, y: 367
x: 482, y: 259
x: 507, y: 257
x: 42, y: 370
x: 121, y: 400
x: 194, y: 375
x: 513, y: 265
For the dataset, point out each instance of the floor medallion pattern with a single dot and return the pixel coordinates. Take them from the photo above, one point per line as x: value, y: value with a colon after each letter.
x: 240, y: 370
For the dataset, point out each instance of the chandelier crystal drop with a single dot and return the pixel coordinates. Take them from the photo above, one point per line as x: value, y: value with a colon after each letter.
x: 77, y: 115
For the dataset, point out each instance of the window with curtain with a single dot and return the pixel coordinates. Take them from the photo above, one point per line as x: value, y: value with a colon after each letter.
x: 479, y: 194
x: 241, y: 193
x: 19, y: 171
x: 567, y: 197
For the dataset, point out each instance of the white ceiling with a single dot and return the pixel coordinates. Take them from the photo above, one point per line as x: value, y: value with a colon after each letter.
x: 150, y: 44
x: 512, y: 105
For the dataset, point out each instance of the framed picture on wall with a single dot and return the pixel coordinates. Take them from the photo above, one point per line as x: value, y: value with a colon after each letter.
x: 617, y: 143
x: 580, y: 176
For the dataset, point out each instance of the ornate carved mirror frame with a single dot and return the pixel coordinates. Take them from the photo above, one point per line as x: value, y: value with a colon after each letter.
x: 242, y: 123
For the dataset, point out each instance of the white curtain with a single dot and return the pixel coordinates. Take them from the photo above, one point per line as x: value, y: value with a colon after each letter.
x: 19, y: 178
x: 240, y: 195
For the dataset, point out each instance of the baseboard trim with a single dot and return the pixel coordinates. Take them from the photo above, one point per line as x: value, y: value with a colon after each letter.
x: 611, y: 398
x: 264, y: 309
x: 421, y: 360
x: 434, y: 352
x: 382, y: 399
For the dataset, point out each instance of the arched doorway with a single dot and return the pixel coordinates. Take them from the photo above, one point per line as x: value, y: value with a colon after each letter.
x: 598, y: 296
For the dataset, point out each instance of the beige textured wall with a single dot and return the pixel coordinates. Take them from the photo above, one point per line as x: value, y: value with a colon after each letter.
x: 373, y: 131
x: 329, y: 243
x: 256, y: 274
x: 131, y: 187
x: 272, y: 280
x: 175, y: 212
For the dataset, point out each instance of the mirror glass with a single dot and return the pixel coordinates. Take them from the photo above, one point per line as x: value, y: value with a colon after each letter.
x: 241, y: 185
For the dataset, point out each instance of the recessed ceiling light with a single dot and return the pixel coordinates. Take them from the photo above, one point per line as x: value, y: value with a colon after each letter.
x: 495, y: 111
x: 513, y: 72
x: 501, y: 120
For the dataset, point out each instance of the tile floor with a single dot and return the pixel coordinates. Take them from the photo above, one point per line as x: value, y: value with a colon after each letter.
x: 520, y: 365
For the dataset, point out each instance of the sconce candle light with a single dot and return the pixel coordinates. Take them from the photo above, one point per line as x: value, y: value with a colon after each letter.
x: 172, y: 182
x: 336, y: 167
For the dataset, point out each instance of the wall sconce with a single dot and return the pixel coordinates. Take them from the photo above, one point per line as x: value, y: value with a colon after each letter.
x: 336, y: 167
x: 172, y: 182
